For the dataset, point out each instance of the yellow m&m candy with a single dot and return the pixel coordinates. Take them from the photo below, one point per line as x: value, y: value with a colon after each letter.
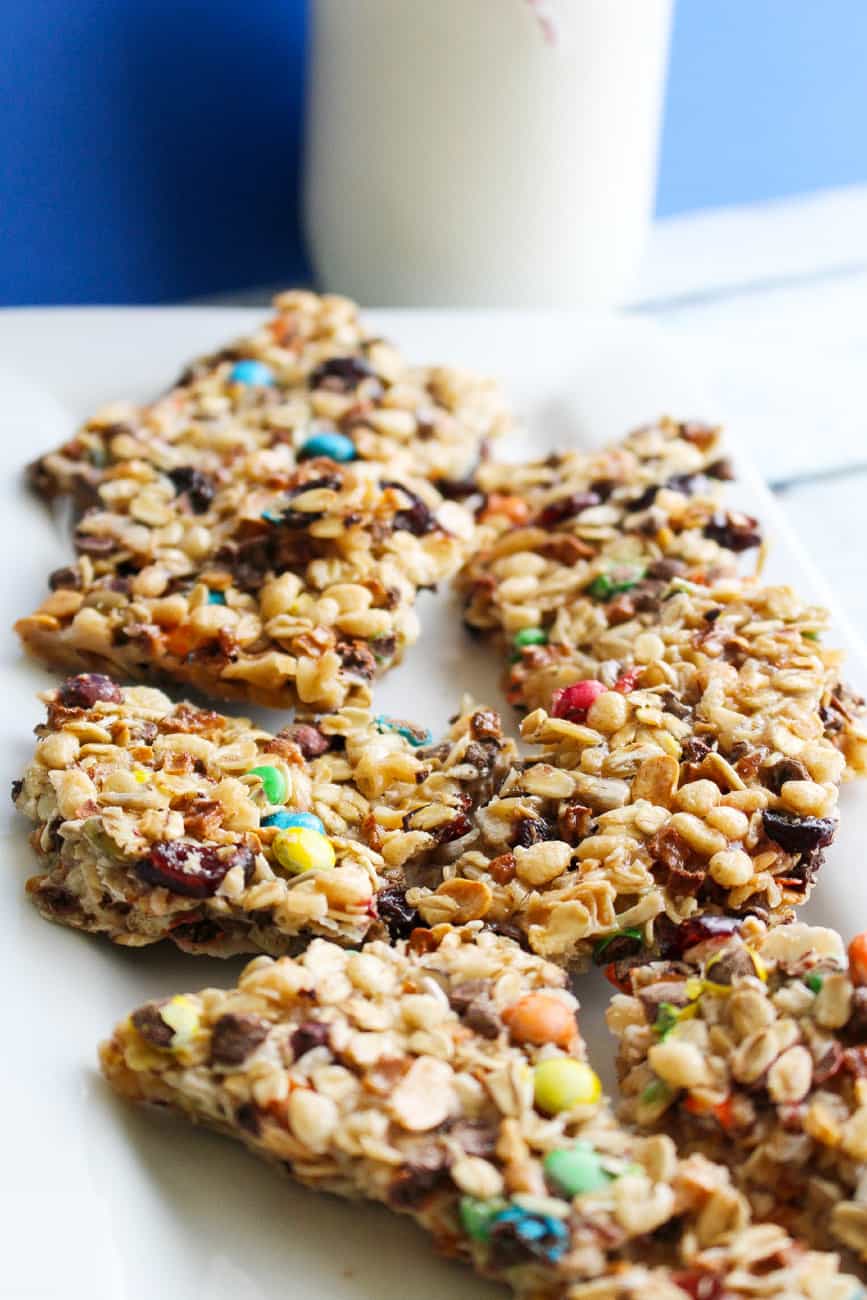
x: 299, y: 849
x: 561, y: 1083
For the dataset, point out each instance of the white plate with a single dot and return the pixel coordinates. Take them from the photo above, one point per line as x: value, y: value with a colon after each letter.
x: 112, y: 1204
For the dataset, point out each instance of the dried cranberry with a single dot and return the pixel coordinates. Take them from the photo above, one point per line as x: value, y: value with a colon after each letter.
x: 341, y: 374
x: 456, y: 829
x: 698, y: 930
x: 721, y: 469
x: 798, y: 834
x: 531, y: 830
x: 199, y: 488
x: 701, y: 1286
x: 567, y: 508
x: 83, y: 691
x: 417, y: 518
x: 192, y: 870
x: 235, y: 1037
x: 17, y: 787
x: 733, y: 530
x: 313, y: 1033
x: 399, y: 918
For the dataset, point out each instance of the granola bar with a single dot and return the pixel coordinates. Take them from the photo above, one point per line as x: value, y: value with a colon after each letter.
x: 156, y: 820
x: 598, y: 548
x: 448, y: 1081
x: 314, y: 369
x: 700, y: 786
x: 751, y: 1047
x: 282, y: 585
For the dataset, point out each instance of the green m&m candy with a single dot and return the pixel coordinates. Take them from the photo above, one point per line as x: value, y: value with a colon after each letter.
x: 274, y: 783
x: 575, y: 1170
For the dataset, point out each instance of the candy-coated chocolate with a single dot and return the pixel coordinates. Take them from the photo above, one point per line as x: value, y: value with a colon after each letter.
x: 336, y: 446
x: 284, y: 819
x: 274, y: 783
x: 299, y: 849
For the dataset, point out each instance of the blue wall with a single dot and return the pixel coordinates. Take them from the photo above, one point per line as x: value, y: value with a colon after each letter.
x: 149, y: 149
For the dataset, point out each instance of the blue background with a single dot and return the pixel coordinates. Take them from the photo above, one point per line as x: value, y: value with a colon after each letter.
x: 150, y: 149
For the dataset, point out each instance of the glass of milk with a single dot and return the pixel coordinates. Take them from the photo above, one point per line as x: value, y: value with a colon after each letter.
x: 457, y: 156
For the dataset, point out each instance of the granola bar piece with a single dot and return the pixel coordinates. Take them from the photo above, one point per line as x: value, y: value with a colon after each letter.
x: 314, y: 369
x: 612, y: 528
x: 287, y: 585
x: 700, y: 782
x: 156, y: 820
x: 751, y: 1047
x: 447, y: 1080
x: 591, y: 551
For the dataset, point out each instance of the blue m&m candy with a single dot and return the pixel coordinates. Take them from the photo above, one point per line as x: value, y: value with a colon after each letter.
x: 336, y: 446
x: 251, y: 372
x: 286, y: 819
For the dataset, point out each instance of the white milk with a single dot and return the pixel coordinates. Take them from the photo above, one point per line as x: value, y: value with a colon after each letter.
x: 456, y: 158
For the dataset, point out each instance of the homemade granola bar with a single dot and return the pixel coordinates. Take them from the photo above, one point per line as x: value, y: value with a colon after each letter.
x: 590, y: 552
x: 447, y: 1080
x: 313, y: 371
x: 751, y: 1047
x: 158, y: 821
x: 280, y: 585
x: 613, y: 527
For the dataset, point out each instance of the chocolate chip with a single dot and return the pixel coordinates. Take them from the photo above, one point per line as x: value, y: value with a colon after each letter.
x: 199, y: 488
x: 248, y: 1119
x: 417, y: 518
x: 83, y: 691
x: 856, y: 1025
x: 694, y: 750
x: 312, y: 1033
x: 786, y: 769
x: 308, y: 738
x: 235, y: 1037
x: 733, y: 530
x: 357, y: 659
x: 574, y: 821
x: 150, y: 1024
x: 798, y: 834
x: 17, y: 787
x: 485, y: 724
x: 734, y: 961
x: 414, y: 1183
x: 475, y: 1137
x: 665, y: 570
x: 461, y: 995
x: 682, y: 869
x: 399, y: 918
x: 340, y: 374
x: 722, y: 469
x: 68, y: 579
x: 481, y: 1016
